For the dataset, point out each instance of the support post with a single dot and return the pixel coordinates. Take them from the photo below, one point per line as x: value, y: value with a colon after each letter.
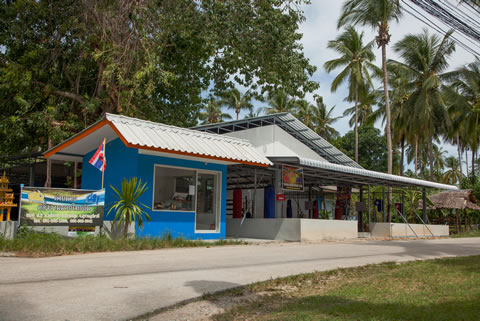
x: 368, y: 208
x: 360, y: 213
x: 254, y: 192
x: 310, y: 204
x: 278, y: 189
x: 32, y: 174
x: 383, y: 204
x: 424, y: 197
x: 403, y: 203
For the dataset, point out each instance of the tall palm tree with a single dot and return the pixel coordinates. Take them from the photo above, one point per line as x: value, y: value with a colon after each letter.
x: 305, y: 112
x: 279, y: 101
x: 212, y: 113
x: 366, y: 100
x: 376, y: 14
x: 452, y: 175
x: 425, y: 58
x: 254, y: 113
x: 356, y: 61
x: 466, y: 92
x: 323, y: 120
x: 234, y: 99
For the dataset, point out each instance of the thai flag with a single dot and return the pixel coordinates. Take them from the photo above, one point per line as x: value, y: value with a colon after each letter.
x: 98, y: 160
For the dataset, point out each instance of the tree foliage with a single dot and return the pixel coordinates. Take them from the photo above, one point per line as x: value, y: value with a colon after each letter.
x: 64, y: 63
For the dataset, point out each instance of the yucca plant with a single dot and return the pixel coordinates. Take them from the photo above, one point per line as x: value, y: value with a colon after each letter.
x: 127, y: 207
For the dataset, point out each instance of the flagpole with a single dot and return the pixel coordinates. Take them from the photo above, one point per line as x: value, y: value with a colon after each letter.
x: 104, y: 161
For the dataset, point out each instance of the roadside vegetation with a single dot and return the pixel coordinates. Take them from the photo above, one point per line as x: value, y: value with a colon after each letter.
x: 471, y: 233
x: 441, y: 289
x: 37, y: 244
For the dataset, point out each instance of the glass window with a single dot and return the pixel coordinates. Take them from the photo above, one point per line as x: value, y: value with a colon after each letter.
x: 174, y: 189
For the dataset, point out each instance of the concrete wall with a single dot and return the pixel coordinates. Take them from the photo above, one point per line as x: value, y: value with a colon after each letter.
x: 314, y: 230
x: 8, y: 229
x: 292, y: 229
x: 398, y: 230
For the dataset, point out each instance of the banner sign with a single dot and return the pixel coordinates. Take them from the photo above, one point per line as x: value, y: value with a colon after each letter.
x: 62, y: 207
x: 292, y: 178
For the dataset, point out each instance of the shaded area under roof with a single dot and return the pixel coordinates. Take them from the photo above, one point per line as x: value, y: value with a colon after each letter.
x: 292, y: 126
x: 341, y: 175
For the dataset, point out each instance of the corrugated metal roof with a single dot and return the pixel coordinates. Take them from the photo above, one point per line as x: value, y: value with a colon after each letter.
x: 376, y: 176
x: 167, y: 138
x: 291, y: 125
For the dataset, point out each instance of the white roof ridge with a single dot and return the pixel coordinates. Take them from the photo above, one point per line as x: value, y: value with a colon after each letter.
x: 186, y: 130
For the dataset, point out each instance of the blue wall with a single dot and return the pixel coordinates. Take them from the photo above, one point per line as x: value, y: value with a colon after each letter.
x: 124, y: 162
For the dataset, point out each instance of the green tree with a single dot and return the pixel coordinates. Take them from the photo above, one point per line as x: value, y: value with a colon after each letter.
x: 212, y: 113
x: 143, y: 58
x: 127, y: 206
x: 279, y: 101
x: 453, y: 174
x: 305, y: 112
x: 366, y: 100
x: 377, y: 14
x: 356, y: 61
x: 372, y: 147
x: 323, y: 120
x: 234, y: 99
x: 425, y: 58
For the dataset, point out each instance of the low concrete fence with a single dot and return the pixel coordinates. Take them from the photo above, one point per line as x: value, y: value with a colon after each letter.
x: 8, y: 229
x: 291, y: 229
x: 399, y: 230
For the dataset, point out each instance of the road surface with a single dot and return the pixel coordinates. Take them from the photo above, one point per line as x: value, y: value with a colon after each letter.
x: 123, y: 285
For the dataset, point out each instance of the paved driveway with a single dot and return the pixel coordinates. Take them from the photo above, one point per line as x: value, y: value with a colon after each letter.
x: 121, y: 285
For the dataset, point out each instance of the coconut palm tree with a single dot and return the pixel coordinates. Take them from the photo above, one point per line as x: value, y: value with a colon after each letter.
x: 323, y: 120
x: 212, y: 113
x: 366, y: 100
x: 356, y: 61
x: 254, y: 113
x: 305, y: 112
x: 425, y: 58
x: 279, y: 102
x: 234, y: 99
x: 465, y: 94
x: 452, y: 175
x: 376, y: 14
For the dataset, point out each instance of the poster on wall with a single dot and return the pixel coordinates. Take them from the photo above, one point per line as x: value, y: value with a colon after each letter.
x: 292, y: 178
x: 62, y: 207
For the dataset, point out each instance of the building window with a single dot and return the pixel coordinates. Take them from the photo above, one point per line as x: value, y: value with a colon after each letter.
x: 174, y: 189
x: 189, y: 190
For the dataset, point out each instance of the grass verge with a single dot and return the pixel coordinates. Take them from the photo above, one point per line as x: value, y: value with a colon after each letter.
x: 442, y: 289
x: 472, y: 233
x: 41, y: 244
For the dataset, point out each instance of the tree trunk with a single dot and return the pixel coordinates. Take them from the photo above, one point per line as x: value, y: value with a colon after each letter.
x: 75, y: 169
x: 388, y: 130
x: 473, y: 163
x: 430, y: 156
x: 127, y: 224
x: 466, y: 160
x: 402, y: 158
x: 356, y: 123
x: 459, y: 147
x: 416, y: 156
x: 238, y: 112
x: 48, y: 180
x: 457, y: 227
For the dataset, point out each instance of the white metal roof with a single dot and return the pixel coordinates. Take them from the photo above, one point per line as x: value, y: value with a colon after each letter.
x: 142, y: 134
x: 374, y: 176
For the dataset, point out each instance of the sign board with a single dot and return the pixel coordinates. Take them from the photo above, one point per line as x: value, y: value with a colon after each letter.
x: 62, y: 207
x: 292, y: 178
x: 280, y: 197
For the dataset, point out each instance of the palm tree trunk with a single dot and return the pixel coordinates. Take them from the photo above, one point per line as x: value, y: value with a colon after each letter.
x: 238, y: 112
x: 402, y: 156
x: 388, y: 125
x: 356, y: 123
x: 416, y: 156
x: 430, y: 156
x: 466, y: 160
x: 473, y: 163
x: 459, y: 147
x: 127, y: 224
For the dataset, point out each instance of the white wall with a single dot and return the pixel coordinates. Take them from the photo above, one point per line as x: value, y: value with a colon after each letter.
x: 274, y: 141
x: 398, y: 230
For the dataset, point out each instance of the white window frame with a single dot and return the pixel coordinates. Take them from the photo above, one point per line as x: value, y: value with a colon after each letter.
x: 219, y: 197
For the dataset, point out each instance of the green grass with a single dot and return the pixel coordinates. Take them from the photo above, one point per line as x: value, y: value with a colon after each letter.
x: 472, y: 233
x: 42, y: 244
x: 443, y: 289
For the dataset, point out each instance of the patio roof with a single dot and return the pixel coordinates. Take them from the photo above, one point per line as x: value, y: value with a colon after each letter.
x: 291, y: 125
x: 329, y: 173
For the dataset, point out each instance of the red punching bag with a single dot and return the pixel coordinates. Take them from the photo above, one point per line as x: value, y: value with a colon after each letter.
x: 315, y: 209
x: 237, y: 203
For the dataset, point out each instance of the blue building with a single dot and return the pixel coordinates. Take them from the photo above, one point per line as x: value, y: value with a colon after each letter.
x: 185, y: 171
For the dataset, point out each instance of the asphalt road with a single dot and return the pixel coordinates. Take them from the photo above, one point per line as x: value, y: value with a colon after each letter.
x: 122, y: 285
